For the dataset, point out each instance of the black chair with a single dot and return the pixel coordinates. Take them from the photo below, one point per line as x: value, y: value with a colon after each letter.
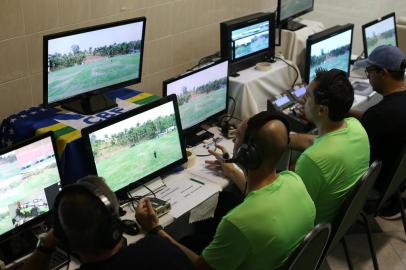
x: 393, y: 190
x: 350, y: 211
x: 308, y: 253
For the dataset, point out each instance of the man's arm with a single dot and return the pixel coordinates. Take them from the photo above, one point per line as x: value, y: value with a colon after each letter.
x: 356, y: 113
x: 300, y: 141
x: 39, y: 259
x: 146, y: 216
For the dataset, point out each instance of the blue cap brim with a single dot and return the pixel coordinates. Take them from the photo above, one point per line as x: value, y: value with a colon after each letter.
x: 362, y: 63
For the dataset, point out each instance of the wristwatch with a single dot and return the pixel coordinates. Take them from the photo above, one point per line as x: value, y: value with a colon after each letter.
x: 41, y: 247
x: 156, y: 229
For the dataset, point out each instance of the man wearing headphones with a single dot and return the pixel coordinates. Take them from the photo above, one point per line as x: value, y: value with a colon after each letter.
x: 385, y: 122
x: 87, y: 223
x: 275, y: 215
x: 334, y: 160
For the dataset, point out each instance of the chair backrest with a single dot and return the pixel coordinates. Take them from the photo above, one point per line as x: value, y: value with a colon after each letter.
x: 398, y: 178
x: 353, y: 204
x: 401, y: 30
x: 308, y: 253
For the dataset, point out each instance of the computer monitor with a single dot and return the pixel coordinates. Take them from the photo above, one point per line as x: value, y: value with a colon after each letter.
x: 136, y: 146
x: 247, y: 40
x: 202, y: 95
x: 379, y: 32
x: 80, y: 65
x: 289, y: 9
x: 329, y: 49
x: 29, y: 182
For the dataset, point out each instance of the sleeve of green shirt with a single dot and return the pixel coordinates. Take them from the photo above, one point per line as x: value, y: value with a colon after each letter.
x: 310, y: 174
x: 228, y: 249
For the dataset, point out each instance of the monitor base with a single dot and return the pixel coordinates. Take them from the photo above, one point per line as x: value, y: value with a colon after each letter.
x: 293, y: 26
x: 90, y: 104
x: 197, y: 135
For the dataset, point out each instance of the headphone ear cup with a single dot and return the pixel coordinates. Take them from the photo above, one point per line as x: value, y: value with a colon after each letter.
x: 248, y: 156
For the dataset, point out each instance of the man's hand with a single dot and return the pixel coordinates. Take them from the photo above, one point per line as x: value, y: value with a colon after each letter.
x: 146, y: 215
x: 219, y: 164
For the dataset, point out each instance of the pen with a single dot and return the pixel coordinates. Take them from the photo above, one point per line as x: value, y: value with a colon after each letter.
x: 197, y: 181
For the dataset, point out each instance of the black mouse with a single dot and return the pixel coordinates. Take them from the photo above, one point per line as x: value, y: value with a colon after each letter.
x: 130, y: 227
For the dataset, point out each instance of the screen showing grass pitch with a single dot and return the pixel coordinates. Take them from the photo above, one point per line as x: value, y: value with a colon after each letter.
x: 333, y: 52
x: 29, y: 182
x: 290, y: 8
x: 131, y: 149
x: 93, y: 60
x: 250, y: 39
x: 380, y: 33
x: 201, y: 94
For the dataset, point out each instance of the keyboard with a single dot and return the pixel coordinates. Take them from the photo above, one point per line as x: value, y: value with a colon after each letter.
x: 58, y: 260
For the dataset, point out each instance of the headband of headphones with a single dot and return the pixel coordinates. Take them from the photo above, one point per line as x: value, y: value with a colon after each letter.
x: 111, y: 228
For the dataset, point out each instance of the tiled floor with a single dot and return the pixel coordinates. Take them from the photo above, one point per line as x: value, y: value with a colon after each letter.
x: 389, y: 241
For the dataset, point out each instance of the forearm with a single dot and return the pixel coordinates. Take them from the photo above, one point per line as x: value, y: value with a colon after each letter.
x: 355, y: 113
x: 193, y: 257
x: 300, y: 141
x: 37, y: 261
x: 238, y: 178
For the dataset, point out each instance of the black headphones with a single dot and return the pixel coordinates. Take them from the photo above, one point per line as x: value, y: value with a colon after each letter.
x: 248, y: 154
x: 110, y: 230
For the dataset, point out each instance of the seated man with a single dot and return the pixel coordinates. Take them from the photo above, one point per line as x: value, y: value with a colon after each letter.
x: 334, y: 160
x: 385, y: 122
x: 87, y: 223
x: 273, y: 219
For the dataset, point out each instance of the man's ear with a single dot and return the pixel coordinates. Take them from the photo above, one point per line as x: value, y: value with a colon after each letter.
x: 323, y: 110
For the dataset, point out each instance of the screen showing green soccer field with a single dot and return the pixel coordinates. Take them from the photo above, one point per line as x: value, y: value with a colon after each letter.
x: 29, y: 182
x: 380, y: 33
x: 201, y: 94
x: 136, y: 147
x: 93, y: 60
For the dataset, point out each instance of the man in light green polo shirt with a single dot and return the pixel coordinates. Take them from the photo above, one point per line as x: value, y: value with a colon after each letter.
x: 273, y: 219
x: 334, y: 160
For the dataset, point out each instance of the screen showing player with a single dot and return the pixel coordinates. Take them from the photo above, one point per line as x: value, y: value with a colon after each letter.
x: 250, y: 39
x: 290, y: 8
x: 332, y: 52
x: 93, y: 59
x: 133, y: 148
x: 29, y: 183
x: 201, y: 94
x: 380, y: 33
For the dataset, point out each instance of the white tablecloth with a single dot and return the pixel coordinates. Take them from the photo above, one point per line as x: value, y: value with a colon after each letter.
x: 253, y: 88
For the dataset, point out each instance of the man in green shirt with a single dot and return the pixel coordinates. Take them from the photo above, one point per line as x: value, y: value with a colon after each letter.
x: 273, y: 219
x: 333, y: 161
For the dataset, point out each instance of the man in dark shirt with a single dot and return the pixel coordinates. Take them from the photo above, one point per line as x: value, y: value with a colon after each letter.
x: 385, y: 122
x: 88, y: 224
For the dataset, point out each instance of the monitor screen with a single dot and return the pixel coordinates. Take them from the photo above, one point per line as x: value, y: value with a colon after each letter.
x: 330, y: 51
x: 201, y: 94
x: 379, y: 32
x: 299, y: 92
x: 282, y: 101
x: 29, y: 183
x: 138, y: 144
x: 250, y: 39
x: 293, y: 8
x: 94, y: 58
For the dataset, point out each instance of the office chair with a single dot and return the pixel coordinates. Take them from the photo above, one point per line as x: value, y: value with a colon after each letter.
x: 350, y: 211
x: 309, y: 252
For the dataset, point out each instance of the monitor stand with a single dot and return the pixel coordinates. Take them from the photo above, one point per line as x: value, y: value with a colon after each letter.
x: 90, y: 104
x: 197, y: 135
x: 293, y: 26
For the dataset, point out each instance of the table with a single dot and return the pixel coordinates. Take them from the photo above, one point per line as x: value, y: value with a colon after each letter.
x: 70, y: 150
x: 293, y: 44
x: 253, y: 88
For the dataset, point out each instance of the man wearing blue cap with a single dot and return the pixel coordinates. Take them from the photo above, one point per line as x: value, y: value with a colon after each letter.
x: 385, y: 122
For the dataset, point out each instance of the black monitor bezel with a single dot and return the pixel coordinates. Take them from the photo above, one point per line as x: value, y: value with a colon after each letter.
x: 27, y: 225
x: 88, y: 130
x: 226, y: 50
x: 288, y: 19
x: 326, y: 34
x: 365, y: 26
x: 182, y: 76
x: 46, y: 38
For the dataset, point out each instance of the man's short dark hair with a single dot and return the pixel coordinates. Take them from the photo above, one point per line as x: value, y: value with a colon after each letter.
x: 335, y: 91
x: 82, y: 214
x: 398, y: 75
